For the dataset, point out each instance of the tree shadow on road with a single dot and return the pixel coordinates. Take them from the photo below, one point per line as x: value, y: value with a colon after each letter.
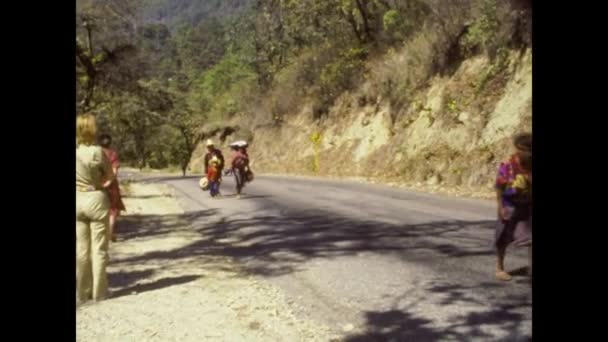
x: 156, y: 285
x: 479, y: 320
x: 396, y: 325
x: 399, y: 325
x: 276, y: 245
x: 271, y: 246
x: 146, y: 226
x: 246, y: 197
x: 146, y: 196
x: 159, y: 179
x: 125, y: 279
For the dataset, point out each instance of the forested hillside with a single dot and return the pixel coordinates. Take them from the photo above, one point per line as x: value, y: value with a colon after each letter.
x: 404, y: 90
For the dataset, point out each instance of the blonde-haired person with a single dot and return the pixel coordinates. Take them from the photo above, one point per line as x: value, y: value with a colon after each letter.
x: 93, y: 175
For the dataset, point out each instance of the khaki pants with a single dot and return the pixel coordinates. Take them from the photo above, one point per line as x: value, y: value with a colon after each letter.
x: 92, y: 222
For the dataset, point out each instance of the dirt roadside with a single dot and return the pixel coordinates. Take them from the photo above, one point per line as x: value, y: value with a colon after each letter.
x: 164, y: 291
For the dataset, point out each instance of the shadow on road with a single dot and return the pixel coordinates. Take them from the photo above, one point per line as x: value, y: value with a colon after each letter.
x: 501, y: 316
x: 157, y: 179
x: 146, y: 226
x: 277, y: 244
x: 396, y: 325
x: 399, y: 325
x: 125, y: 279
x: 247, y: 197
x: 156, y: 285
x: 145, y: 196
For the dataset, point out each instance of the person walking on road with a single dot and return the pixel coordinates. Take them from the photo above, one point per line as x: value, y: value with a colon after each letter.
x: 93, y: 177
x: 514, y: 195
x: 116, y: 203
x: 213, y: 152
x: 240, y: 167
x: 213, y: 176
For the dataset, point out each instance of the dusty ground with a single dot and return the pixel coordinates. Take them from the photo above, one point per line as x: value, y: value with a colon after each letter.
x: 198, y: 298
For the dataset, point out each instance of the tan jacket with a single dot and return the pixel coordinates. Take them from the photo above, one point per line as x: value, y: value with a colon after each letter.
x: 92, y: 166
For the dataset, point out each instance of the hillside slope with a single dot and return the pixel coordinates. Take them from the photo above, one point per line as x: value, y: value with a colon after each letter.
x: 450, y: 137
x: 189, y: 12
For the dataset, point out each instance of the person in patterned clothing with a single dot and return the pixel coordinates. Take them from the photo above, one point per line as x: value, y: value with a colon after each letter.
x: 514, y: 195
x: 213, y: 152
x: 213, y: 176
x: 116, y: 204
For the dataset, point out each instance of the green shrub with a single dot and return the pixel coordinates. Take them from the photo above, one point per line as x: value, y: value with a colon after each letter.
x: 499, y: 65
x: 225, y: 89
x: 341, y: 74
x: 491, y: 30
x: 396, y: 26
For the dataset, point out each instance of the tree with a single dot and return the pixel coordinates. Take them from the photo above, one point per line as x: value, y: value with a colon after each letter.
x: 171, y: 108
x: 188, y: 124
x: 201, y: 46
x: 129, y: 118
x: 104, y: 40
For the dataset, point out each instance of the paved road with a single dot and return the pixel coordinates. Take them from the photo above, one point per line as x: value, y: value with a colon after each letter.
x: 376, y: 263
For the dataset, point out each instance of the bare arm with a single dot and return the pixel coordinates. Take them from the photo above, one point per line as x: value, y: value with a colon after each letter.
x: 108, y: 172
x: 501, y: 183
x: 499, y: 202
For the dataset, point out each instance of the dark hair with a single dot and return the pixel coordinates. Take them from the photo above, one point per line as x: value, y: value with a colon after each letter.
x: 105, y: 140
x: 523, y: 142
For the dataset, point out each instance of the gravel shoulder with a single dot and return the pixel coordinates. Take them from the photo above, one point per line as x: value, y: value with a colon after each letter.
x: 191, y: 297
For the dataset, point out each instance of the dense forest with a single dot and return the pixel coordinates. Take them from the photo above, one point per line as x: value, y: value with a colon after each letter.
x: 160, y: 73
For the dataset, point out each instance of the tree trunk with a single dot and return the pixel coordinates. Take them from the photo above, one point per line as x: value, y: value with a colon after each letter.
x: 364, y: 16
x: 89, y: 40
x: 257, y: 45
x: 190, y: 141
x: 91, y: 76
x: 385, y: 4
x: 143, y: 160
x: 141, y: 150
x: 89, y: 94
x: 353, y: 23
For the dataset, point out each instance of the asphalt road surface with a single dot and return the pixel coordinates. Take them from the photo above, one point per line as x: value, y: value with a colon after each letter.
x: 373, y: 262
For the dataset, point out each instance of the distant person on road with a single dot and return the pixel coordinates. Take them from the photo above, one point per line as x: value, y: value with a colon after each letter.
x: 211, y: 153
x: 93, y: 176
x: 116, y: 204
x: 240, y: 167
x: 213, y: 176
x: 514, y: 195
x: 248, y: 172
